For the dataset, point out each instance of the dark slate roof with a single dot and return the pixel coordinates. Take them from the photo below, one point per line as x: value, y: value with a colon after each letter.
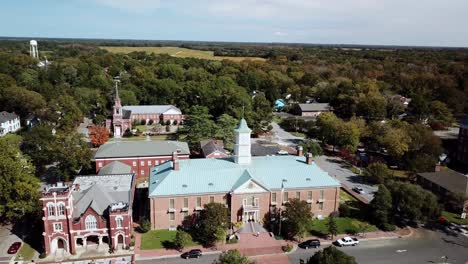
x: 126, y: 114
x: 211, y: 146
x: 115, y: 167
x: 258, y: 149
x: 314, y: 107
x: 101, y: 191
x: 450, y: 180
x: 121, y: 149
x: 6, y: 116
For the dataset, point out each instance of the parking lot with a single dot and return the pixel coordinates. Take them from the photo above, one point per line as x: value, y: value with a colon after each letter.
x: 337, y: 168
x: 6, y: 239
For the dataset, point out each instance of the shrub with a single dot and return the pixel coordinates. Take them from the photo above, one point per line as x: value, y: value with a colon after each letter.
x: 344, y: 210
x: 387, y: 227
x: 168, y: 122
x: 175, y: 123
x: 143, y: 122
x: 182, y: 239
x: 232, y: 241
x: 287, y: 248
x: 168, y: 128
x: 132, y: 243
x: 42, y: 255
x: 145, y: 226
x: 128, y: 133
x: 150, y: 122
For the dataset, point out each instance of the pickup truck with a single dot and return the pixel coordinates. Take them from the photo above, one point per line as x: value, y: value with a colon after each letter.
x: 347, y: 241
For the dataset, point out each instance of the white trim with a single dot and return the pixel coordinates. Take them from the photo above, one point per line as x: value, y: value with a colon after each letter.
x: 145, y: 157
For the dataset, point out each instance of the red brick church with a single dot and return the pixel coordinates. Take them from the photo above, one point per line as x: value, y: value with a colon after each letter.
x: 124, y: 116
x: 95, y: 212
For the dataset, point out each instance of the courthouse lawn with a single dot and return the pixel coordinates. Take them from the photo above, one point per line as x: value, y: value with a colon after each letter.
x: 158, y: 239
x: 454, y: 218
x: 26, y: 253
x: 345, y: 225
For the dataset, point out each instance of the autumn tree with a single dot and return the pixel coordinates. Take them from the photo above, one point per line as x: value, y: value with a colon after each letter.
x: 297, y: 214
x: 98, y: 135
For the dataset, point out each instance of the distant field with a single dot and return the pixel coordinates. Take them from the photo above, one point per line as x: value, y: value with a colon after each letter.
x: 179, y: 52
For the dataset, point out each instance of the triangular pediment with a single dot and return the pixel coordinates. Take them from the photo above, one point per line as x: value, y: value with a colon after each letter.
x: 247, y: 184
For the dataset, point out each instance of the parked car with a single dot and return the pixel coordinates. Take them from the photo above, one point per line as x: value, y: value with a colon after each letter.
x: 347, y: 241
x: 14, y: 248
x: 311, y: 243
x: 194, y: 253
x: 358, y: 190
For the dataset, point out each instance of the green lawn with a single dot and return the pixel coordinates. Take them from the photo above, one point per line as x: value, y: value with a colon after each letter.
x: 346, y: 197
x: 158, y: 239
x: 298, y: 134
x: 26, y: 252
x: 345, y: 225
x: 454, y: 218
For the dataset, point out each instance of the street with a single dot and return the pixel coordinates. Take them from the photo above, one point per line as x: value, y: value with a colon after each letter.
x: 424, y: 246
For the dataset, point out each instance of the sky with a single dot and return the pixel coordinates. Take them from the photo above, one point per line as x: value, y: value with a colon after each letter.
x: 373, y: 22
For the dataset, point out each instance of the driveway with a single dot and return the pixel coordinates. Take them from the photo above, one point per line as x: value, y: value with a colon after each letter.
x: 337, y: 168
x: 282, y: 137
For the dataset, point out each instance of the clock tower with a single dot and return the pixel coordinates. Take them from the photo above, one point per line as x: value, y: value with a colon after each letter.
x: 242, y: 143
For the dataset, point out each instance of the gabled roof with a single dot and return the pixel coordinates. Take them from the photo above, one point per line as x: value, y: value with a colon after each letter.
x: 211, y: 146
x: 198, y: 176
x: 121, y: 149
x: 6, y: 116
x: 315, y: 107
x: 245, y: 177
x: 100, y: 191
x: 450, y: 180
x: 151, y: 109
x: 115, y: 167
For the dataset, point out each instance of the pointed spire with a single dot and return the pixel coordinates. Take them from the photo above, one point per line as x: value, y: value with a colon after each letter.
x: 243, y: 109
x: 117, y: 80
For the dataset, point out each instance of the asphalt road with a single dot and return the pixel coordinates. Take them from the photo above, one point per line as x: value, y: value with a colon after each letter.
x: 283, y: 137
x: 425, y: 247
x: 336, y: 168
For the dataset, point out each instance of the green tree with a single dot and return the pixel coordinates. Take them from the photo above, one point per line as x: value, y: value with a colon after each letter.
x: 381, y: 206
x: 311, y: 147
x: 332, y: 226
x: 298, y: 216
x: 232, y: 256
x: 225, y: 130
x: 198, y: 126
x: 261, y: 114
x: 377, y: 172
x: 18, y: 186
x: 182, y: 239
x: 331, y: 255
x: 64, y: 113
x: 213, y: 221
x: 396, y: 141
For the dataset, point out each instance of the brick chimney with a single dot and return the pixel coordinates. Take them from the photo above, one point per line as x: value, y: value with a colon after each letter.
x: 309, y: 158
x: 175, y: 161
x: 300, y: 151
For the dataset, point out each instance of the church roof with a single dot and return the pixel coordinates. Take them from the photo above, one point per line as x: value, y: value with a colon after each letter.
x: 151, y: 109
x: 122, y: 149
x: 198, y: 176
x: 243, y: 127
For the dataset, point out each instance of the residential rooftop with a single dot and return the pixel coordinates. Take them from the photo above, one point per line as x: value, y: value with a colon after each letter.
x: 122, y: 149
x: 197, y: 176
x: 315, y: 107
x: 7, y: 116
x: 450, y: 180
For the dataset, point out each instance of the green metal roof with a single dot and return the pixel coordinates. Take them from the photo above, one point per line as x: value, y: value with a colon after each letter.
x: 243, y: 127
x: 198, y: 176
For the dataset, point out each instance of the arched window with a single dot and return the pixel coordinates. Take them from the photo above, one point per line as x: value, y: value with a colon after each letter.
x: 90, y: 222
x: 119, y: 221
x: 61, y: 209
x: 51, y: 209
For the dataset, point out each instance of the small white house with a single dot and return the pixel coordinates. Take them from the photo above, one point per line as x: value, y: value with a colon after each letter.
x: 9, y: 122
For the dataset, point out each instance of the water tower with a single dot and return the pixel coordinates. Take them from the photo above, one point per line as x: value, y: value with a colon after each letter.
x: 33, y: 49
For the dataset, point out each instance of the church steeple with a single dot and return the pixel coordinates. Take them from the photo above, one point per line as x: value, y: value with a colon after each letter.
x: 117, y: 104
x: 242, y: 145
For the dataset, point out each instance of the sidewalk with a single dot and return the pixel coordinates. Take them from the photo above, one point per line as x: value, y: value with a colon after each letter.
x: 263, y: 247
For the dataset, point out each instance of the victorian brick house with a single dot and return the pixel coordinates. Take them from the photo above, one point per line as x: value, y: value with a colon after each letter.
x: 94, y: 211
x: 250, y: 187
x: 124, y: 116
x: 137, y: 156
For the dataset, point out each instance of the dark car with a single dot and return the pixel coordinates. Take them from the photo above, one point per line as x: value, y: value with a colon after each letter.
x: 14, y: 248
x: 194, y: 253
x: 358, y: 190
x: 311, y: 243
